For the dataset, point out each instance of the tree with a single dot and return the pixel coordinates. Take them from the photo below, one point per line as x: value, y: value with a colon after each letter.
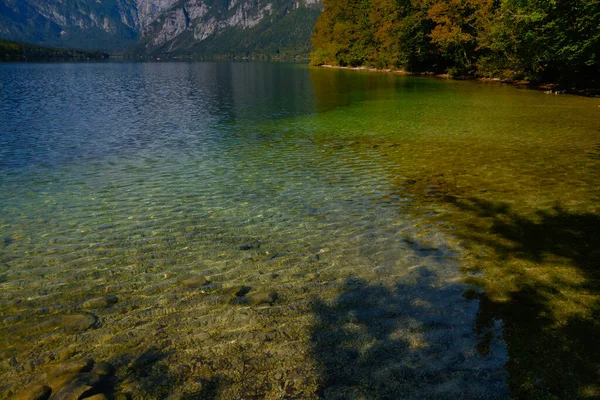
x: 540, y: 40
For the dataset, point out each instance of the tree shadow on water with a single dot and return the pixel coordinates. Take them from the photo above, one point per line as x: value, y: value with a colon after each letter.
x: 551, y: 310
x: 575, y: 237
x: 414, y: 340
x: 150, y: 378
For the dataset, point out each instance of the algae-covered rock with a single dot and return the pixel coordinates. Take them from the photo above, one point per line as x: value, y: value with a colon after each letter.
x: 100, y: 302
x: 77, y: 387
x: 34, y: 392
x: 60, y: 374
x: 79, y: 322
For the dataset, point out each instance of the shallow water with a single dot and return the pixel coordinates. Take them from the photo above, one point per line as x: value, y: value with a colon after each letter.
x: 362, y: 234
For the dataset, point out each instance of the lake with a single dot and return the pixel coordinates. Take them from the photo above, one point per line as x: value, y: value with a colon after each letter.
x: 271, y: 230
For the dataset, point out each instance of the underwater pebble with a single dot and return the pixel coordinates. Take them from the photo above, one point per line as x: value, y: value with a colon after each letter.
x: 256, y: 299
x: 100, y: 302
x: 201, y: 337
x: 34, y: 392
x: 312, y: 276
x: 103, y: 369
x: 191, y: 280
x: 79, y: 322
x: 249, y: 246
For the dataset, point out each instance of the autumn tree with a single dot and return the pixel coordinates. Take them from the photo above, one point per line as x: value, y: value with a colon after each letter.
x: 542, y: 40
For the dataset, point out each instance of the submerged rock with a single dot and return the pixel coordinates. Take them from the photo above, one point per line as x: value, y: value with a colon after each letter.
x: 256, y: 299
x: 67, y: 353
x: 77, y: 387
x: 100, y: 302
x: 191, y: 280
x: 60, y: 374
x: 34, y: 392
x: 103, y: 369
x: 249, y: 246
x: 79, y: 322
x: 74, y: 379
x: 236, y: 290
x: 98, y: 396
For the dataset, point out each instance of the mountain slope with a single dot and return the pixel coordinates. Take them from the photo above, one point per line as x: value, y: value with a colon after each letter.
x: 193, y: 28
x: 110, y: 24
x: 183, y: 27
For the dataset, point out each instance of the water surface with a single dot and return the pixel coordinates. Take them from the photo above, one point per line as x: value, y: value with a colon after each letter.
x: 362, y: 234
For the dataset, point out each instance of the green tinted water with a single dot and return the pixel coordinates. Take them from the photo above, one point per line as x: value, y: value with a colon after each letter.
x: 361, y: 234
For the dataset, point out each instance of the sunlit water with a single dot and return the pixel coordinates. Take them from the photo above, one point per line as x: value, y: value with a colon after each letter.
x: 339, y: 218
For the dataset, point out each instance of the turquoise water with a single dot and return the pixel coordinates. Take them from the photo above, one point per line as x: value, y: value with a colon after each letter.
x: 273, y: 230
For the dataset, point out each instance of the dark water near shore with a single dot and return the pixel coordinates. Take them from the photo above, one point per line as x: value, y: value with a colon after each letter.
x: 248, y: 230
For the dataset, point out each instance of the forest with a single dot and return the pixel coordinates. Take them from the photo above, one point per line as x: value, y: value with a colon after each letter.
x: 540, y: 41
x: 18, y: 51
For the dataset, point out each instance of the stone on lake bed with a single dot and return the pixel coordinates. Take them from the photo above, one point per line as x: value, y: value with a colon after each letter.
x: 77, y: 387
x: 103, y: 369
x: 249, y: 246
x: 67, y: 353
x: 191, y: 280
x: 100, y: 302
x: 34, y: 392
x: 256, y: 299
x: 78, y: 322
x: 98, y: 396
x: 60, y: 374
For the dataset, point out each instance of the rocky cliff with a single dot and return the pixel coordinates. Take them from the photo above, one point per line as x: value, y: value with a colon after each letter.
x: 149, y: 27
x: 240, y: 27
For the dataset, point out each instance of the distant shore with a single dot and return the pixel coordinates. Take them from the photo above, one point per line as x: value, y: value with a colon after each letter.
x: 12, y: 51
x: 548, y: 88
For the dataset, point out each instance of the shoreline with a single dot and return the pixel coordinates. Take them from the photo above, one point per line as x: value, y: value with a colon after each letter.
x: 547, y: 88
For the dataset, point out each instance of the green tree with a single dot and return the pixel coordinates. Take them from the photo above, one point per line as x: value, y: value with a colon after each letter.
x: 540, y: 40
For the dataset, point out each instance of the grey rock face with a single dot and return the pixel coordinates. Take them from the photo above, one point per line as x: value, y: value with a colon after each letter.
x: 189, y: 22
x: 165, y: 25
x: 87, y: 23
x: 148, y: 10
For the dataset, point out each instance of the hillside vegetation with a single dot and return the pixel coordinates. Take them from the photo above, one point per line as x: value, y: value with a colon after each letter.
x: 18, y: 51
x: 535, y: 40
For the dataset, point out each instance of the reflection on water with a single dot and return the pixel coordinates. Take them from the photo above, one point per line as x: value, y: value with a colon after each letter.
x: 220, y: 230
